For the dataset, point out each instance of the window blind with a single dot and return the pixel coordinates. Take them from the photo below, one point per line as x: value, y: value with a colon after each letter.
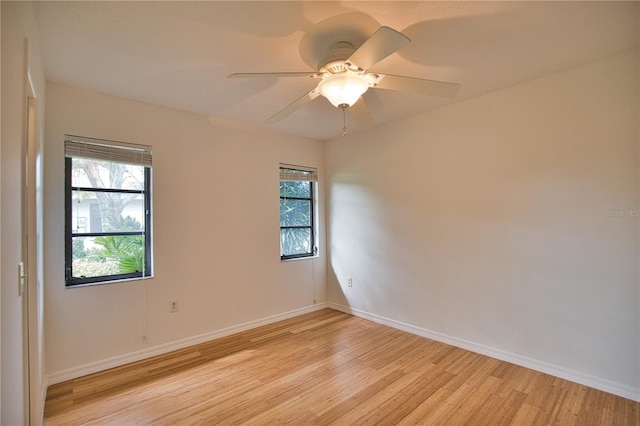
x: 295, y: 173
x: 99, y: 149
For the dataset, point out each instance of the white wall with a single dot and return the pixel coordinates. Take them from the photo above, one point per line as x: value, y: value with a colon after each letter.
x: 18, y: 26
x: 215, y: 233
x: 507, y: 223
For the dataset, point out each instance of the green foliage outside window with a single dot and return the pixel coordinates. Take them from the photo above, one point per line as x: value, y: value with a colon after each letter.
x: 296, y: 218
x: 115, y: 254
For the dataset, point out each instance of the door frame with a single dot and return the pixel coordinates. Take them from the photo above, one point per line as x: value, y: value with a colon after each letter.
x: 32, y: 249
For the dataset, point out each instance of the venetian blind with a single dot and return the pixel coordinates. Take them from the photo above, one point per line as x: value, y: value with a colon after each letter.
x: 296, y: 173
x: 99, y: 149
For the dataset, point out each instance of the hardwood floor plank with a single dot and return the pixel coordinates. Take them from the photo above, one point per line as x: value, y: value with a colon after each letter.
x: 525, y: 415
x: 497, y: 409
x: 338, y: 408
x: 463, y: 404
x: 328, y: 367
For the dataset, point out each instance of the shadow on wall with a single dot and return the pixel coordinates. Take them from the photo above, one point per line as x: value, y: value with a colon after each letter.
x: 368, y: 247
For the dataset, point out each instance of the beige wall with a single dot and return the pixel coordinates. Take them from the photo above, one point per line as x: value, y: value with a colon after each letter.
x: 507, y: 223
x: 18, y: 30
x: 215, y: 233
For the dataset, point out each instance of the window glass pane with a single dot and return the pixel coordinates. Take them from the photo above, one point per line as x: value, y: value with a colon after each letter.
x: 106, y: 212
x: 104, y: 174
x: 97, y: 256
x: 298, y: 189
x: 295, y: 241
x: 295, y: 212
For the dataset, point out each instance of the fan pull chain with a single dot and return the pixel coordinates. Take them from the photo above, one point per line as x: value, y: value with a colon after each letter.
x: 344, y: 119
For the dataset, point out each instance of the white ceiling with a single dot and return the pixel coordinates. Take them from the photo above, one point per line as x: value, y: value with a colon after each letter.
x: 178, y: 54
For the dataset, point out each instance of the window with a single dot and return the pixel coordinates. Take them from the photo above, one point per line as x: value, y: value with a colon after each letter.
x: 297, y: 213
x: 107, y: 211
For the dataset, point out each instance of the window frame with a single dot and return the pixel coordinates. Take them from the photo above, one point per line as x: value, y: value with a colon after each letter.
x: 70, y: 280
x: 312, y: 220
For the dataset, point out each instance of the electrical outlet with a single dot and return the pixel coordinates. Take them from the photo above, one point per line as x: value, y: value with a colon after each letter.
x: 173, y: 306
x: 349, y: 282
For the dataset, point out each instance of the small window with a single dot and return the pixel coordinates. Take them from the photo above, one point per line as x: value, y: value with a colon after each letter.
x: 108, y: 211
x: 297, y: 212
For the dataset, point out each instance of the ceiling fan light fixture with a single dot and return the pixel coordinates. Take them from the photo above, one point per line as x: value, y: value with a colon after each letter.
x: 343, y: 89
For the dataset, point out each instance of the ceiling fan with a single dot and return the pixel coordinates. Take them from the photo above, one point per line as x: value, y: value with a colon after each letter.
x: 344, y: 77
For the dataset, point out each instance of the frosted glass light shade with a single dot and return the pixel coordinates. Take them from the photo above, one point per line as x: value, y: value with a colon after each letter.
x: 343, y: 89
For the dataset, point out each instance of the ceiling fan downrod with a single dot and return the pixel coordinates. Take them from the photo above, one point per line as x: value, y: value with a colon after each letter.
x: 344, y: 118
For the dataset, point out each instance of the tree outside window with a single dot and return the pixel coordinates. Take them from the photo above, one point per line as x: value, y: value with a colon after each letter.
x: 297, y: 227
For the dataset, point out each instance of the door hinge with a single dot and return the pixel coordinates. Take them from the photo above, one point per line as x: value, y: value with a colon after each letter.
x: 22, y: 278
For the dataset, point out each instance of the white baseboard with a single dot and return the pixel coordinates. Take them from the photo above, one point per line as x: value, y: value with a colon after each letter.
x: 534, y: 364
x: 94, y: 367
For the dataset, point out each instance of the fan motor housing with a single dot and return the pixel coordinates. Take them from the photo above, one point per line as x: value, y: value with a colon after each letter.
x: 334, y: 62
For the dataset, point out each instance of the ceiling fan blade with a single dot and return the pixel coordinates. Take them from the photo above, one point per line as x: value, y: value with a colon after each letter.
x: 360, y: 113
x: 381, y: 44
x: 292, y: 107
x: 441, y: 89
x: 272, y: 74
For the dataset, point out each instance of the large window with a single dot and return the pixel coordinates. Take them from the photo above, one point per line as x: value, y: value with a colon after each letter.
x: 108, y: 211
x: 297, y: 213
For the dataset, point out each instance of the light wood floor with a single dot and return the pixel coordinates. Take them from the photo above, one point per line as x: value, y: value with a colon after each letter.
x: 328, y: 367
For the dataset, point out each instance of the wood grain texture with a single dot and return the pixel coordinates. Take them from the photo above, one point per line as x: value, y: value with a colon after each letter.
x: 324, y: 368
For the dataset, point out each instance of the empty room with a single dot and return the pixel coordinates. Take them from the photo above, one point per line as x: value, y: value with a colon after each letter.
x: 313, y: 212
